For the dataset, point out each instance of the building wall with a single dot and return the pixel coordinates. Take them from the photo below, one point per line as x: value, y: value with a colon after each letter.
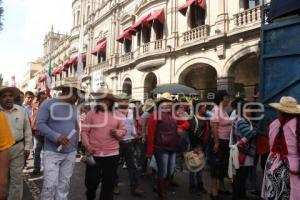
x: 229, y: 39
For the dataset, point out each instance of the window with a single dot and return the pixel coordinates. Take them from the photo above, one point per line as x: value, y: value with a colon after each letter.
x: 146, y: 33
x: 158, y: 29
x: 249, y: 4
x: 197, y: 16
x: 139, y: 35
x: 101, y: 57
x: 127, y: 46
x: 67, y: 73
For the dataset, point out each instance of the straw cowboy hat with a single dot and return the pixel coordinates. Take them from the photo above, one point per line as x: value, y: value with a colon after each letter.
x: 287, y: 105
x: 149, y: 104
x: 15, y: 91
x: 105, y: 93
x: 166, y: 97
x: 70, y: 83
x: 194, y: 160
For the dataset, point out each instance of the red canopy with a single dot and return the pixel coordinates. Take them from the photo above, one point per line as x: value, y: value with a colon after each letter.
x: 60, y: 69
x: 101, y: 47
x: 183, y: 8
x: 55, y: 71
x: 157, y: 15
x: 42, y: 78
x: 65, y: 66
x: 73, y: 60
x: 143, y: 21
x: 126, y: 35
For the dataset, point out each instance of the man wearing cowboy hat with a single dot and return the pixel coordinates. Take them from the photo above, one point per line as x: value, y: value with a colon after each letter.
x: 57, y: 121
x: 19, y: 123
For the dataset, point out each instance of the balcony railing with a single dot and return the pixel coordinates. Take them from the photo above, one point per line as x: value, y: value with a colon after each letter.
x: 247, y: 17
x: 146, y: 47
x: 101, y: 65
x: 196, y: 33
x: 158, y: 44
x: 127, y: 57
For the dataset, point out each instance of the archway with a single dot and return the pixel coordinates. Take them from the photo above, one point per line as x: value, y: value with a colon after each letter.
x: 245, y: 72
x: 149, y: 84
x: 127, y: 86
x: 202, y: 77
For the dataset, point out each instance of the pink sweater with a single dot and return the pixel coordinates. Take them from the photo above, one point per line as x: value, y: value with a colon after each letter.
x: 96, y: 132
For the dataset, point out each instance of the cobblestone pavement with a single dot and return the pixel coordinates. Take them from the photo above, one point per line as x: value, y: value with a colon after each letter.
x: 33, y: 185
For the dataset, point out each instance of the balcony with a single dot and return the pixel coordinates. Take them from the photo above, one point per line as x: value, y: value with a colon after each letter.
x: 127, y: 57
x: 152, y: 47
x: 103, y: 65
x: 195, y: 34
x: 247, y: 17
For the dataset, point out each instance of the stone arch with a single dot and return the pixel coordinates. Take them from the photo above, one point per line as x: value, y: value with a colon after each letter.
x: 150, y: 82
x: 238, y: 55
x: 127, y: 86
x: 245, y: 74
x: 202, y: 77
x: 199, y: 60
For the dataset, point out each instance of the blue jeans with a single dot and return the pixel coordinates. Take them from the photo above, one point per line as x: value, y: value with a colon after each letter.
x: 166, y: 163
x: 38, y: 147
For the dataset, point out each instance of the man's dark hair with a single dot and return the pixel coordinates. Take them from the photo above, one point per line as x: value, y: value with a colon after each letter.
x: 39, y: 95
x: 68, y: 91
x: 220, y: 96
x: 29, y: 93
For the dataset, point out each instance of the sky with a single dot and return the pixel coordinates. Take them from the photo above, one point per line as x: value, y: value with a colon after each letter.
x: 25, y: 24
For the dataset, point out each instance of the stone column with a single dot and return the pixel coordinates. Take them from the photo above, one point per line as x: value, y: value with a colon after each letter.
x: 222, y: 23
x: 226, y: 83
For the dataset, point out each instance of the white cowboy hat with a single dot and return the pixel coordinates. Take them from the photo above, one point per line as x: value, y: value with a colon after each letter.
x: 149, y: 104
x: 287, y: 105
x: 166, y: 97
x: 194, y: 160
x: 105, y: 93
x: 15, y: 91
x: 69, y: 83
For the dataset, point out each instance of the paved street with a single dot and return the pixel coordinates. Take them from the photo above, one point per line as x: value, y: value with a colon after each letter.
x: 34, y: 183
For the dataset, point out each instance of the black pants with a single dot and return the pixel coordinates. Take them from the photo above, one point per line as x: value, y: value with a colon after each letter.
x: 127, y: 152
x: 239, y: 183
x: 105, y: 170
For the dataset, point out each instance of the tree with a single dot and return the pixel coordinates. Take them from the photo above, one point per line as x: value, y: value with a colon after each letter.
x: 1, y: 15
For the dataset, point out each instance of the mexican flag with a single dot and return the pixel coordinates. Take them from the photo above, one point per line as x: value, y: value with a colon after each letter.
x: 49, y: 80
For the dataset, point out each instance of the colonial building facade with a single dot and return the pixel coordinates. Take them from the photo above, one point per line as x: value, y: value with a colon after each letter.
x: 135, y: 45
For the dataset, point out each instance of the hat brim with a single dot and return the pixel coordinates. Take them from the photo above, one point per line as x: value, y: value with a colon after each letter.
x: 278, y: 106
x: 148, y: 108
x: 197, y: 169
x: 102, y: 95
x: 15, y: 91
x: 61, y: 87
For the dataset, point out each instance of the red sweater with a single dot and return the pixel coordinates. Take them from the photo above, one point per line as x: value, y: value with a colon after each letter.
x: 152, y: 124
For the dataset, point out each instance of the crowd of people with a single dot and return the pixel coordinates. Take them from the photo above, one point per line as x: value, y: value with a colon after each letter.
x: 161, y: 134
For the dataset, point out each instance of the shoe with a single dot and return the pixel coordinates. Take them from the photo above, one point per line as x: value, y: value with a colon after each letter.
x: 138, y: 192
x: 116, y: 191
x: 36, y: 171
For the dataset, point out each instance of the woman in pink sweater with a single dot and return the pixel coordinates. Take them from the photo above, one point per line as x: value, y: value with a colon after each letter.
x: 101, y: 133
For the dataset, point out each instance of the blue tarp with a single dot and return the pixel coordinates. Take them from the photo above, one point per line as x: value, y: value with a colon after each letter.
x: 281, y: 8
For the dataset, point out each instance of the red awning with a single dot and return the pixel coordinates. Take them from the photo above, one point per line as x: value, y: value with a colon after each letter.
x: 65, y: 66
x: 157, y: 15
x: 54, y: 72
x: 73, y: 60
x: 101, y: 47
x: 183, y: 8
x: 60, y: 69
x: 126, y: 35
x: 42, y: 78
x: 143, y: 21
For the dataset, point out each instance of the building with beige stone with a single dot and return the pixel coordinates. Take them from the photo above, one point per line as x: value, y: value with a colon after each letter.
x: 135, y: 45
x: 30, y: 77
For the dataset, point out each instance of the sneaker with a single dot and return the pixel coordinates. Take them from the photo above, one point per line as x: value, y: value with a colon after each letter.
x: 138, y: 192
